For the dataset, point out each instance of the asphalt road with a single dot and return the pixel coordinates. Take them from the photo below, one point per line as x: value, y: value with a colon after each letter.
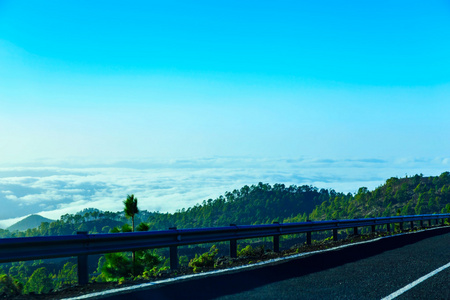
x: 366, y: 271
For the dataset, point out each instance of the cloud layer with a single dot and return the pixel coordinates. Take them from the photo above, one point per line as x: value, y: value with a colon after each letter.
x: 171, y: 185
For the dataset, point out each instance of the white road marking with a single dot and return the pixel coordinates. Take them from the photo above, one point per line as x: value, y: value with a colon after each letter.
x: 414, y: 283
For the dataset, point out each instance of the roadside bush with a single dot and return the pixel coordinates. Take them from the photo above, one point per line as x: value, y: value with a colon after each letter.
x: 152, y: 272
x: 67, y: 275
x: 205, y: 260
x: 247, y: 251
x: 142, y: 227
x: 9, y: 286
x: 116, y: 266
x: 119, y: 265
x: 39, y: 282
x: 146, y: 261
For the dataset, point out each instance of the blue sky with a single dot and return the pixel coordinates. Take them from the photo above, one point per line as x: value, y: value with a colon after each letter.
x: 381, y: 43
x: 104, y: 81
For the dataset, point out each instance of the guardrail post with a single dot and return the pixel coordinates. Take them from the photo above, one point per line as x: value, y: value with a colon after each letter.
x: 82, y: 266
x: 308, y: 235
x: 276, y: 240
x: 429, y: 223
x: 233, y: 246
x: 401, y: 226
x: 373, y: 229
x: 388, y: 227
x: 421, y: 224
x: 173, y: 257
x: 412, y: 225
x: 335, y: 233
x: 276, y: 243
x: 173, y: 254
x: 355, y: 230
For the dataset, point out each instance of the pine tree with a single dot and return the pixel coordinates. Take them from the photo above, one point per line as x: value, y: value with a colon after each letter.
x: 131, y: 208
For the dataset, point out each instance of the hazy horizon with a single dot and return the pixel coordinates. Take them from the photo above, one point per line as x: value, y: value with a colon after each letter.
x: 169, y: 185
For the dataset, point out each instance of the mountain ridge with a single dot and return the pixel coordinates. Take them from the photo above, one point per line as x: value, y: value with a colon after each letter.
x: 30, y: 222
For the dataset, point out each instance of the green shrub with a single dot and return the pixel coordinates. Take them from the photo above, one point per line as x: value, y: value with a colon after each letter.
x: 328, y: 239
x: 183, y: 260
x: 147, y: 260
x: 10, y: 286
x: 247, y: 251
x: 39, y: 282
x: 126, y: 228
x: 67, y: 275
x: 119, y: 265
x: 115, y: 230
x: 116, y: 266
x: 206, y: 260
x: 152, y: 272
x: 142, y: 227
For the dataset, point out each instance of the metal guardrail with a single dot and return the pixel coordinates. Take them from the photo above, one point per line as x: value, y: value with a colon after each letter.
x: 83, y: 244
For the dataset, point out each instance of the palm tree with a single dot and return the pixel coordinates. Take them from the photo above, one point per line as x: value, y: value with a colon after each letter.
x: 131, y: 208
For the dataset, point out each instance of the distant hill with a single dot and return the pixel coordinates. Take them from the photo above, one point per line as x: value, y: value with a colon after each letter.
x: 29, y: 222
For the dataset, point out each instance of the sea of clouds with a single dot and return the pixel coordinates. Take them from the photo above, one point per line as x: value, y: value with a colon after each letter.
x: 53, y: 189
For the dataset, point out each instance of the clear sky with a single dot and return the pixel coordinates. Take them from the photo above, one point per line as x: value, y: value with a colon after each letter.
x: 91, y: 81
x: 108, y: 79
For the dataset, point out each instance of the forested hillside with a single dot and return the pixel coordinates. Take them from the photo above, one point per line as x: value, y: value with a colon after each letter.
x: 398, y: 196
x: 257, y: 204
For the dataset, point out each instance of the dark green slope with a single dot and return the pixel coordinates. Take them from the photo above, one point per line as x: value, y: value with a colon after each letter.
x: 256, y: 204
x: 32, y: 221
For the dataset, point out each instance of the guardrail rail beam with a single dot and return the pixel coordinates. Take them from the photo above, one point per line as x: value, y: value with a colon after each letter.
x: 83, y: 244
